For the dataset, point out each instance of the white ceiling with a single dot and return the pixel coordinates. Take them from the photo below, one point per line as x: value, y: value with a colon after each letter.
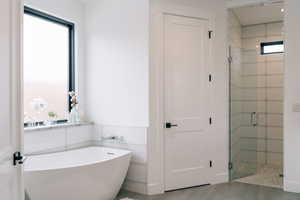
x: 259, y: 14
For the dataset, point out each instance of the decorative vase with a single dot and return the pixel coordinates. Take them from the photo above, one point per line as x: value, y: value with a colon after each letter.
x: 74, y: 116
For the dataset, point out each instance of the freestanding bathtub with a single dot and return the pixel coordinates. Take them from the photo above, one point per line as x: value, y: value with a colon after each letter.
x: 93, y: 173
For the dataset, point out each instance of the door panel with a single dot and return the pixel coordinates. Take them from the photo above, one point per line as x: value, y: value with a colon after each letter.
x: 243, y: 117
x: 10, y: 115
x: 186, y: 93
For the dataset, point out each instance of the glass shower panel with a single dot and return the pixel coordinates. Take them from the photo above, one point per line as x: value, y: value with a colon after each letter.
x: 244, y: 117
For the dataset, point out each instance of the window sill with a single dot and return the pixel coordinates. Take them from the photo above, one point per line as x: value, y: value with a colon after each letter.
x: 56, y: 126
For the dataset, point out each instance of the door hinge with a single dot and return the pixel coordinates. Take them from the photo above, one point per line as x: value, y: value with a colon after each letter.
x: 18, y: 158
x: 210, y: 34
x: 210, y: 163
x: 210, y: 120
x: 230, y: 59
x: 210, y: 78
x: 230, y: 165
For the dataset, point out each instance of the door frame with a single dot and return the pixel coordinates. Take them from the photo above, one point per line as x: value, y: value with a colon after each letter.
x: 229, y: 109
x: 157, y: 116
x: 16, y: 49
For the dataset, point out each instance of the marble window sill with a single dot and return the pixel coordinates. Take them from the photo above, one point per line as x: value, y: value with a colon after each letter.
x: 56, y: 126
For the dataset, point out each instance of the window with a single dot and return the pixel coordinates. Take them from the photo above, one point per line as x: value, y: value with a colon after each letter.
x: 48, y: 66
x: 272, y: 47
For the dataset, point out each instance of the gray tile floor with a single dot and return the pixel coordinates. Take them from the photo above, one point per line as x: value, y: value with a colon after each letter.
x: 227, y: 191
x: 266, y: 176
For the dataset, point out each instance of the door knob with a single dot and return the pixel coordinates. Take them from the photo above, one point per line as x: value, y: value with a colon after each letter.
x: 170, y: 125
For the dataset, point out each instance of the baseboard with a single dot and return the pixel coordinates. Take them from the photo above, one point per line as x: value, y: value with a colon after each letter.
x: 133, y: 186
x: 155, y: 188
x: 220, y: 178
x: 291, y: 186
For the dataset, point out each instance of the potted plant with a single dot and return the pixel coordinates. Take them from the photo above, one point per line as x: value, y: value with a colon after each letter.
x: 52, y: 117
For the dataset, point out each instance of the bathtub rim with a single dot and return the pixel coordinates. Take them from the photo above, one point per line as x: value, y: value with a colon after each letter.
x: 126, y: 153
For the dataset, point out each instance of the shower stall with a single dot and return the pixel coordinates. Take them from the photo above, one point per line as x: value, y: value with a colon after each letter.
x: 256, y: 95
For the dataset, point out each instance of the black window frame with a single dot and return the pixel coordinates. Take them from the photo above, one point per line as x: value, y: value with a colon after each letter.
x: 264, y: 44
x: 71, y: 28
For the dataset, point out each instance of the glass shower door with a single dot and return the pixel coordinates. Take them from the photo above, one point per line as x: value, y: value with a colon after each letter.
x: 243, y: 114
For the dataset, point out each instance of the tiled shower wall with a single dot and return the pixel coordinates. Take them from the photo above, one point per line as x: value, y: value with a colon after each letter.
x: 262, y: 77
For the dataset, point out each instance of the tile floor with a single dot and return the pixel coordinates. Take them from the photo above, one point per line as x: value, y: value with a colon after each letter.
x: 267, y: 176
x: 226, y: 191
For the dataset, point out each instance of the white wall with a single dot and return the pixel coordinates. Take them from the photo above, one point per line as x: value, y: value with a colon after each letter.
x: 216, y: 11
x: 72, y: 11
x: 118, y: 62
x: 292, y: 97
x: 117, y: 35
x: 57, y: 139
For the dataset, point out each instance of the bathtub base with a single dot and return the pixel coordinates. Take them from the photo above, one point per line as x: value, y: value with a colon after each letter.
x: 99, y: 181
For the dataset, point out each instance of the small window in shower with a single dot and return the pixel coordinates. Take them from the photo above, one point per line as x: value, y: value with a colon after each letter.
x: 272, y: 47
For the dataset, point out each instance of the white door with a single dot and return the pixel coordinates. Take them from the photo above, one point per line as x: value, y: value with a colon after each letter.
x: 186, y: 91
x: 10, y: 99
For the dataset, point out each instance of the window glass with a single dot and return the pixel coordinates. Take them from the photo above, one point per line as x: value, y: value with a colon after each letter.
x: 46, y: 69
x: 272, y: 47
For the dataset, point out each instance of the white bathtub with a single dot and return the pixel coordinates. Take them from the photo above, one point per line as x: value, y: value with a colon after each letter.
x: 93, y: 173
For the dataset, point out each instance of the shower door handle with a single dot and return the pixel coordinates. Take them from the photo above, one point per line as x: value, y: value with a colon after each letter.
x: 254, y: 119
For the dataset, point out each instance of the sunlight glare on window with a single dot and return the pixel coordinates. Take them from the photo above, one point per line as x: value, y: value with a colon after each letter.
x: 274, y: 48
x: 46, y: 65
